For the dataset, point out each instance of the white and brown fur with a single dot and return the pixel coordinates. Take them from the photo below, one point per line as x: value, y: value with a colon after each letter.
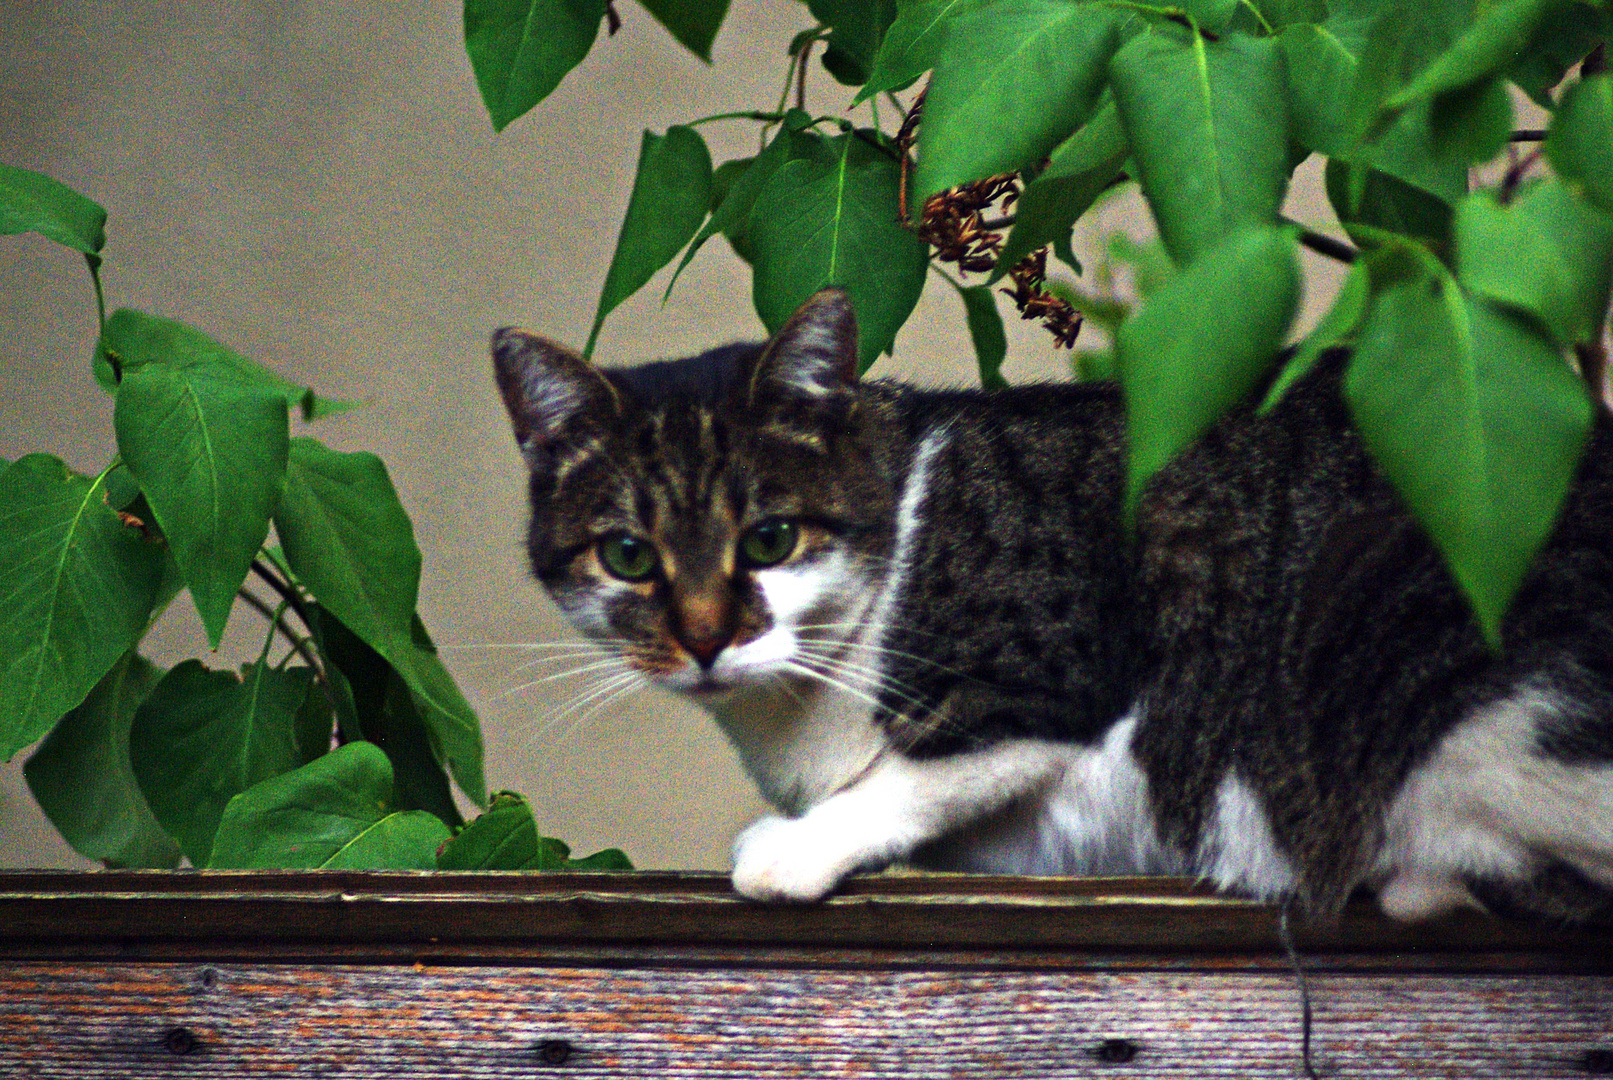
x: 967, y: 663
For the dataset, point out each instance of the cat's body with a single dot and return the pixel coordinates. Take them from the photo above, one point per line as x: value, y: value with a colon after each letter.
x: 963, y: 660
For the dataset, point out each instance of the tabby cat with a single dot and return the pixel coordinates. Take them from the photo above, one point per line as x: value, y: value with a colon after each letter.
x: 919, y: 619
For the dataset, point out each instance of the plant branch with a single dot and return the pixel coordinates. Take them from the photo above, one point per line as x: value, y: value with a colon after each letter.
x: 1516, y: 172
x: 1528, y: 135
x: 1324, y: 245
x: 751, y: 114
x: 801, y: 73
x: 1595, y: 63
x: 297, y: 642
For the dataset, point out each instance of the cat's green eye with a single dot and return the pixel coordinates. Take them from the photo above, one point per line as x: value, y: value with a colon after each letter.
x: 769, y: 543
x: 628, y: 557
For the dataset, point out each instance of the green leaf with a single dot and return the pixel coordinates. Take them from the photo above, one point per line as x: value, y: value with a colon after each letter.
x: 77, y: 590
x: 346, y: 536
x: 856, y: 28
x: 830, y: 219
x: 521, y: 49
x: 915, y: 40
x: 506, y: 838
x: 331, y: 813
x: 385, y: 714
x: 1477, y: 422
x: 1579, y: 143
x: 1470, y: 125
x: 1563, y: 39
x: 210, y: 457
x: 1206, y: 125
x: 201, y: 737
x: 693, y: 23
x: 1547, y: 254
x: 33, y: 202
x: 986, y: 330
x: 1016, y: 77
x: 1385, y: 203
x: 1339, y: 322
x: 134, y: 338
x: 348, y: 540
x: 670, y: 194
x: 1184, y: 362
x: 732, y: 214
x: 1210, y: 15
x: 1402, y: 40
x: 82, y: 779
x: 1082, y: 167
x: 1321, y: 70
x: 1484, y: 50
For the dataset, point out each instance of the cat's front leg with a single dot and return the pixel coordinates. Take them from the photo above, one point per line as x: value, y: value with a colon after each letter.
x: 898, y: 804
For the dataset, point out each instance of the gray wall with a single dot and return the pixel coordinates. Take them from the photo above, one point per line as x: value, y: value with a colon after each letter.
x: 316, y: 185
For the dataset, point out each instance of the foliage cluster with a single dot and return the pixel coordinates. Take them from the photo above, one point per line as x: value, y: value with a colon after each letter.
x: 338, y: 754
x: 1476, y: 313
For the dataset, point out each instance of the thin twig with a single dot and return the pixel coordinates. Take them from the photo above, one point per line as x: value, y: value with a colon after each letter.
x: 1516, y: 173
x: 1528, y: 135
x: 613, y: 21
x: 300, y: 644
x: 1595, y: 63
x: 801, y: 74
x: 294, y: 600
x: 1326, y: 245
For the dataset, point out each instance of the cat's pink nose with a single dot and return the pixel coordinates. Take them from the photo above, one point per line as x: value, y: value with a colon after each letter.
x: 704, y: 648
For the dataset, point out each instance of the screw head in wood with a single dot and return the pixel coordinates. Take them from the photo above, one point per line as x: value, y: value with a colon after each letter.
x: 1598, y: 1062
x: 179, y: 1041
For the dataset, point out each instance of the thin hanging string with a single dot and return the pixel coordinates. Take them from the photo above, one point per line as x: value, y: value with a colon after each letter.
x: 1285, y: 935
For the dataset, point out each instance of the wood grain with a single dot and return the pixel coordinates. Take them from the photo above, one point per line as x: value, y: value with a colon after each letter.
x: 120, y: 1021
x: 135, y: 975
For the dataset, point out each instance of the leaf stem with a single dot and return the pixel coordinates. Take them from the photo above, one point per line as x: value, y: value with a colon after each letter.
x: 277, y: 621
x: 1528, y: 135
x: 290, y: 596
x: 751, y: 114
x: 1592, y: 357
x: 94, y: 262
x: 1324, y: 245
x: 1263, y: 23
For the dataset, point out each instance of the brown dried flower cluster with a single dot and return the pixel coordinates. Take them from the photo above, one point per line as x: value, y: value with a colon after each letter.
x: 955, y: 224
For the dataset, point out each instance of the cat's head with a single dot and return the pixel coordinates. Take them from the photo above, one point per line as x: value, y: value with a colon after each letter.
x: 716, y: 521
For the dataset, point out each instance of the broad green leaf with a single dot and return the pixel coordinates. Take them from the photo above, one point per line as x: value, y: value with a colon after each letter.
x: 1339, y: 322
x: 830, y: 219
x: 210, y: 457
x: 1016, y: 77
x: 986, y: 331
x: 521, y: 49
x: 1206, y: 124
x: 331, y: 813
x: 671, y: 192
x: 134, y: 338
x: 1470, y: 125
x: 732, y: 214
x: 915, y: 40
x: 1403, y: 40
x: 1184, y: 361
x: 33, y: 202
x: 1563, y: 39
x: 1320, y: 71
x: 1082, y: 167
x: 506, y: 838
x: 348, y: 540
x: 385, y: 714
x: 1579, y: 143
x: 1210, y: 15
x: 1386, y: 203
x: 693, y: 23
x: 856, y: 28
x: 201, y: 737
x: 1485, y: 49
x: 1547, y: 253
x: 82, y: 779
x: 77, y: 590
x: 346, y: 536
x: 1477, y: 422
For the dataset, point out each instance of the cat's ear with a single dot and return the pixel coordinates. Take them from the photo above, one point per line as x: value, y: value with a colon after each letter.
x: 548, y: 389
x: 814, y: 355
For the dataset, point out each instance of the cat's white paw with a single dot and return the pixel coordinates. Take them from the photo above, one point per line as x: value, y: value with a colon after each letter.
x: 785, y: 859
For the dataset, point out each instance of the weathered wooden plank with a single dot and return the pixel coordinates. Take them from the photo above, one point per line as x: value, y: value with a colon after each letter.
x: 214, y: 1021
x: 543, y: 917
